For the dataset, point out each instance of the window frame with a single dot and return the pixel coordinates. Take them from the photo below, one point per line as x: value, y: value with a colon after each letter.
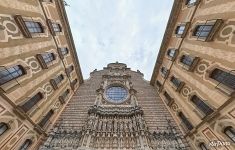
x: 22, y: 147
x: 164, y: 72
x: 68, y: 70
x: 57, y: 81
x: 179, y: 86
x: 73, y: 84
x: 191, y: 4
x: 20, y: 21
x: 190, y: 67
x: 186, y: 27
x: 64, y: 96
x: 51, y: 27
x: 7, y: 69
x: 172, y: 58
x: 41, y: 59
x: 202, y: 146
x: 46, y: 118
x: 158, y: 85
x: 201, y: 105
x: 60, y: 52
x: 215, y: 23
x: 186, y: 123
x: 168, y: 99
x: 219, y: 85
x: 231, y: 131
x: 7, y: 128
x: 25, y: 109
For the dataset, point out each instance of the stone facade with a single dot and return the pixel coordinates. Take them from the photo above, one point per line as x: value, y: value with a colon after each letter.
x: 30, y: 60
x: 194, y: 72
x: 91, y: 121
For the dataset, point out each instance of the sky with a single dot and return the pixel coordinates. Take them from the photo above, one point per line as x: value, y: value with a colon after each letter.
x: 127, y: 31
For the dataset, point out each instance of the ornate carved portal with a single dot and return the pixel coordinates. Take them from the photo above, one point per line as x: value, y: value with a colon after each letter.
x: 115, y: 122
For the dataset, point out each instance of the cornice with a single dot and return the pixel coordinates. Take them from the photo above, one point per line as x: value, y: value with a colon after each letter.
x: 69, y: 37
x: 166, y: 38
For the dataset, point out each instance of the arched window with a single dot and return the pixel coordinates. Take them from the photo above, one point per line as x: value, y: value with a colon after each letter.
x: 26, y: 144
x: 11, y: 73
x: 3, y: 128
x: 201, y: 105
x: 32, y: 101
x: 203, y: 146
x: 230, y: 132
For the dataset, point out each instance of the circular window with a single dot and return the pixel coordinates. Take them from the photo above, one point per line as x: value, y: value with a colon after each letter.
x: 116, y: 94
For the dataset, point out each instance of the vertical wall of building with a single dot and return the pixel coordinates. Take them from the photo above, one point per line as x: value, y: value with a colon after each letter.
x: 39, y: 69
x: 195, y: 70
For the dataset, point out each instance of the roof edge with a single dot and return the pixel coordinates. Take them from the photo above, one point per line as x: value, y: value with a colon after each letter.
x: 167, y: 35
x: 69, y: 36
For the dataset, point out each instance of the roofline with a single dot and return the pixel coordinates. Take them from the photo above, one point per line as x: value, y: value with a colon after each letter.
x: 69, y: 36
x: 166, y: 38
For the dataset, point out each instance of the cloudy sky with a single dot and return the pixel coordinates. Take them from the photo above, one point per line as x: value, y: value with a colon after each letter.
x: 127, y: 31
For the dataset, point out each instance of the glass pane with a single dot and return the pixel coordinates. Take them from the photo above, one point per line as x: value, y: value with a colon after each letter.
x: 116, y: 94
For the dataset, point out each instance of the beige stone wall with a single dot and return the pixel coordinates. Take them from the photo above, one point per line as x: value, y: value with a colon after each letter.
x: 218, y: 53
x: 16, y: 49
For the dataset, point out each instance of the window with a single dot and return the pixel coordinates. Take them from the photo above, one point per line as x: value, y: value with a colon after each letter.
x: 34, y: 27
x: 28, y: 26
x: 64, y: 51
x: 187, y: 60
x: 48, y: 57
x: 64, y: 96
x: 175, y: 81
x: 56, y: 81
x: 59, y: 78
x: 202, y: 31
x: 3, y: 128
x: 69, y: 70
x: 203, y: 146
x: 191, y: 2
x: 201, y: 105
x: 223, y: 77
x: 169, y: 99
x: 230, y: 132
x: 206, y: 31
x: 32, y: 101
x: 164, y: 72
x: 158, y: 84
x: 45, y: 59
x: 26, y: 144
x: 171, y: 52
x: 116, y: 94
x: 73, y: 83
x: 46, y: 118
x: 11, y: 73
x: 180, y: 29
x: 185, y: 121
x: 56, y: 27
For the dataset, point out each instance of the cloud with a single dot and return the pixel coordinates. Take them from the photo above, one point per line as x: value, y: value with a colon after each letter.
x: 128, y: 31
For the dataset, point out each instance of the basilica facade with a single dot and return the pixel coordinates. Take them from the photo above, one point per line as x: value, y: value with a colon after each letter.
x: 115, y: 109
